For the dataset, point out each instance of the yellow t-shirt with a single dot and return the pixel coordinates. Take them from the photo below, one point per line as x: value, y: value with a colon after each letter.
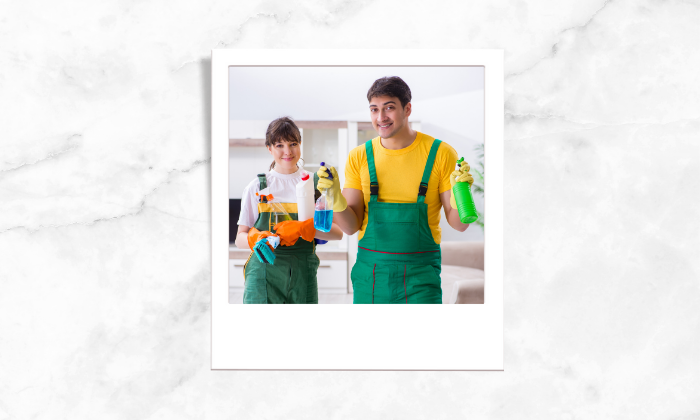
x: 399, y: 173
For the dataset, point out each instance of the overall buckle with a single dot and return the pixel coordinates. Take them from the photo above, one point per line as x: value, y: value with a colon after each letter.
x: 422, y: 189
x: 374, y: 188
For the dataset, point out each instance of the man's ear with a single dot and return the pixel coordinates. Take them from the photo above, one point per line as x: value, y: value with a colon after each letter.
x: 407, y: 110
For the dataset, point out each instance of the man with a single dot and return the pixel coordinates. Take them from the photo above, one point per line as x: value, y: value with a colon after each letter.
x: 395, y: 185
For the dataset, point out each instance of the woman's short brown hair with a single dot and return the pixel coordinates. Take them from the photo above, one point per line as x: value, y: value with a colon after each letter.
x: 281, y: 129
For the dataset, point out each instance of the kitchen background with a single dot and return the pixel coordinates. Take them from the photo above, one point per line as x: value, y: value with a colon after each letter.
x: 331, y: 108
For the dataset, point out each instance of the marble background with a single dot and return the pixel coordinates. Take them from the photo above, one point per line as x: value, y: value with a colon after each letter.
x: 105, y: 223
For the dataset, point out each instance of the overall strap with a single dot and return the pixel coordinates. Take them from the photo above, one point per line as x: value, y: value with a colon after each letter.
x: 373, y: 185
x: 428, y: 169
x: 263, y: 181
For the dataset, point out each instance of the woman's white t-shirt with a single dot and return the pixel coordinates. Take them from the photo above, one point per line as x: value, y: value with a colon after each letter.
x: 281, y: 186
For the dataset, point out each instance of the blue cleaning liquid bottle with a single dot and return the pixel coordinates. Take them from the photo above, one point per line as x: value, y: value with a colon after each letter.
x: 323, y: 213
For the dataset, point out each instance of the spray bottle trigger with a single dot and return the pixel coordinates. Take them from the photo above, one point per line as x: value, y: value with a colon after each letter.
x: 330, y: 174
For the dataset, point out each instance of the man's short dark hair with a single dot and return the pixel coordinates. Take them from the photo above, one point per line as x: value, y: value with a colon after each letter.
x: 390, y: 86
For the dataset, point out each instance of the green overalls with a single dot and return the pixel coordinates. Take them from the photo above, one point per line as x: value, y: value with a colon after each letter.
x: 398, y: 260
x: 292, y: 278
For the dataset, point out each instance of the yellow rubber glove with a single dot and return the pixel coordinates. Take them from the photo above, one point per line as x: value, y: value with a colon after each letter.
x: 333, y: 187
x: 460, y: 175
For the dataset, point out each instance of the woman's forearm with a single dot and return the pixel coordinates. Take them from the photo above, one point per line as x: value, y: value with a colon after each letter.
x: 242, y: 237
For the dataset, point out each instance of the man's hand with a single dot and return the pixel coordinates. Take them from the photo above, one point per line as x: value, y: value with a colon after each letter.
x: 460, y: 175
x: 333, y: 187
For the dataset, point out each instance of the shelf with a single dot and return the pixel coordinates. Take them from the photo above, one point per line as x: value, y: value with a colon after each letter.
x: 246, y: 142
x: 321, y: 125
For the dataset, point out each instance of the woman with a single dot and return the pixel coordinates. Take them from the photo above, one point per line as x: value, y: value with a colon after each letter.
x: 292, y: 276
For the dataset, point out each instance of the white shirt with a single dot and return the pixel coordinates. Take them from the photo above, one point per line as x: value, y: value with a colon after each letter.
x: 281, y: 186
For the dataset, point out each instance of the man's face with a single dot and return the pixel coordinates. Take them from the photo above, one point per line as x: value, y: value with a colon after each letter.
x: 388, y: 117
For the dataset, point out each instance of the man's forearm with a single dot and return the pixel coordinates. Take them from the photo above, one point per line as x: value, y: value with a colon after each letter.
x: 452, y: 217
x: 347, y: 221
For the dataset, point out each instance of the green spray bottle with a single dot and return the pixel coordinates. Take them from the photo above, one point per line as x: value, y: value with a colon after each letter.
x: 464, y: 200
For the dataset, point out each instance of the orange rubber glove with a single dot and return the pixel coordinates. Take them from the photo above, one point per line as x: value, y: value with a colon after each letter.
x: 289, y: 231
x: 255, y: 235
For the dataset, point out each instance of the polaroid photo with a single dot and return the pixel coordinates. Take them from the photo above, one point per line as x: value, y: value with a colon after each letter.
x: 356, y: 187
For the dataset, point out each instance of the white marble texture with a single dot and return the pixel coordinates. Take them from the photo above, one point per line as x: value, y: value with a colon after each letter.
x: 105, y: 214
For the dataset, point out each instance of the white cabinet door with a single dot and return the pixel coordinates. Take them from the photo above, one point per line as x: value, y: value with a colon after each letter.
x: 235, y: 274
x: 332, y: 276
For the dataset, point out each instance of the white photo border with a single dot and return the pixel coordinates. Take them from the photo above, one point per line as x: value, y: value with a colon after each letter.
x: 358, y: 337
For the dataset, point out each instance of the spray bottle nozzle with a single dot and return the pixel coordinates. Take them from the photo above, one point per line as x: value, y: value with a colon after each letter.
x: 330, y: 175
x: 459, y: 162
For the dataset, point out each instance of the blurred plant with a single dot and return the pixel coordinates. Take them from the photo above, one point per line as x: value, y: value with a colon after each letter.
x: 478, y: 185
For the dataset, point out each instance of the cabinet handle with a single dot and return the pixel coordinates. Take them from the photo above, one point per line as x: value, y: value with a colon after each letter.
x: 326, y: 266
x: 239, y: 265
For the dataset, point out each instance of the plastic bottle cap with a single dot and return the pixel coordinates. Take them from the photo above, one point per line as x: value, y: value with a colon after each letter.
x: 305, y: 177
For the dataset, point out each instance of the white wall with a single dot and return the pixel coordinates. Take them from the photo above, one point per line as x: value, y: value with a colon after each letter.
x: 320, y: 93
x: 320, y: 146
x: 244, y: 164
x: 247, y: 129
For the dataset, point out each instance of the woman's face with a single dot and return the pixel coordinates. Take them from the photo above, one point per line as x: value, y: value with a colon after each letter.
x: 286, y: 154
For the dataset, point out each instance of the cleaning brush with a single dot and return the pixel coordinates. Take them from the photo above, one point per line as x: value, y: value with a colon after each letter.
x: 263, y: 251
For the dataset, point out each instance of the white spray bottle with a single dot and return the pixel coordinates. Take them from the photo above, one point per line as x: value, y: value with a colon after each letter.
x: 305, y: 197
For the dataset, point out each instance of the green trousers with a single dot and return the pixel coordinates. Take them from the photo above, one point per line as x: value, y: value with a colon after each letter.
x: 291, y: 279
x: 379, y: 282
